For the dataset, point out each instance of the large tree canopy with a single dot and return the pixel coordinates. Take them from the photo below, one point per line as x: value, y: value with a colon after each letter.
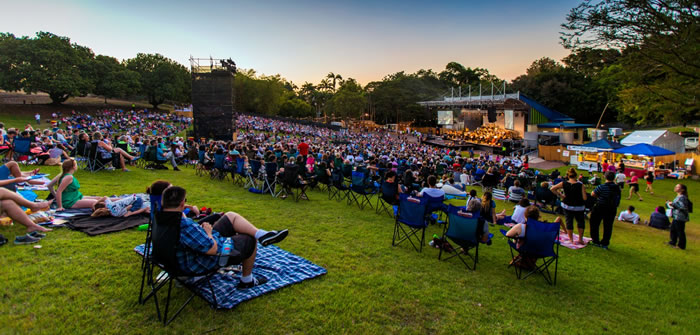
x: 46, y: 63
x: 113, y: 79
x: 660, y: 41
x: 161, y: 78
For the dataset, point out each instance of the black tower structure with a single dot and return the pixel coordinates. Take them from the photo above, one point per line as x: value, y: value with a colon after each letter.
x: 213, y: 97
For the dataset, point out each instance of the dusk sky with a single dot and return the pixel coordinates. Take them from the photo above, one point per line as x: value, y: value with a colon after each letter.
x: 304, y: 40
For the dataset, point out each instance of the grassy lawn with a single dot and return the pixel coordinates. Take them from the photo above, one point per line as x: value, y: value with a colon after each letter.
x: 81, y: 284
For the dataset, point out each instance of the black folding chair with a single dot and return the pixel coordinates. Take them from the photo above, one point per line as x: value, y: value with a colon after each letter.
x: 95, y: 162
x: 386, y: 199
x: 339, y: 190
x: 270, y: 179
x: 291, y: 184
x: 166, y: 240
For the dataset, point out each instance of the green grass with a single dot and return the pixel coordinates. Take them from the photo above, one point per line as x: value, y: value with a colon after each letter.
x: 19, y: 121
x: 81, y: 284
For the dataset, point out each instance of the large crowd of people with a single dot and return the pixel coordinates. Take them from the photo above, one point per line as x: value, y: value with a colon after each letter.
x: 318, y: 154
x: 491, y: 135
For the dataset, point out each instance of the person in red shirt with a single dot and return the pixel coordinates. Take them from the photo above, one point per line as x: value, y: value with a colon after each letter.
x: 634, y: 186
x: 303, y: 148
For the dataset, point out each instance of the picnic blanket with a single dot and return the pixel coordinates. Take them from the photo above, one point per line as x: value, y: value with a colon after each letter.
x: 564, y: 239
x: 104, y: 224
x: 282, y: 268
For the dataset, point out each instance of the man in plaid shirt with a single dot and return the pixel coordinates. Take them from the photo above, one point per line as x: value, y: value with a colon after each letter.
x: 201, y: 243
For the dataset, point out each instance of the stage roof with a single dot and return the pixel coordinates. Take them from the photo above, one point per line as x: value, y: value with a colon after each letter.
x: 564, y: 125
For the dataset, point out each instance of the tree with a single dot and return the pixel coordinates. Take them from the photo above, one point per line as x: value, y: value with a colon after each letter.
x: 292, y: 106
x: 47, y: 63
x: 161, y: 78
x: 456, y: 74
x: 349, y: 101
x: 114, y: 79
x: 332, y: 78
x: 660, y: 41
x: 590, y: 62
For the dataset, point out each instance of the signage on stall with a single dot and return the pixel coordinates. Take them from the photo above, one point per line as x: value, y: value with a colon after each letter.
x: 580, y: 148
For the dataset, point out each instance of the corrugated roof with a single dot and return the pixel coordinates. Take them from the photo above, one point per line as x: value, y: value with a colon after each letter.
x: 643, y: 136
x: 550, y: 114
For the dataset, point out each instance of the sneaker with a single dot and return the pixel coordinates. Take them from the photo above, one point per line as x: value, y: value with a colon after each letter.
x: 36, y: 234
x: 257, y: 281
x: 605, y: 247
x: 273, y: 237
x: 176, y: 169
x: 25, y: 239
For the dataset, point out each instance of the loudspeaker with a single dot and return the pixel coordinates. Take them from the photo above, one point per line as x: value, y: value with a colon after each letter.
x: 212, y: 101
x: 492, y: 114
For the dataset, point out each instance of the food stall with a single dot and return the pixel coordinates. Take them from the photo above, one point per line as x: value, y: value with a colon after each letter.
x: 640, y: 158
x: 589, y: 155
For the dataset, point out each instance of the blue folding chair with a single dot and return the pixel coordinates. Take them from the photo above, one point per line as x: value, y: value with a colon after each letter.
x: 253, y: 173
x: 541, y: 242
x: 462, y: 229
x: 270, y: 179
x: 412, y: 215
x: 387, y: 198
x: 22, y: 147
x: 220, y: 170
x: 240, y: 175
x: 435, y: 204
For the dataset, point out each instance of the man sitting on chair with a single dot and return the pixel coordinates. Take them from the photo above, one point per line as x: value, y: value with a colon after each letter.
x: 207, y: 241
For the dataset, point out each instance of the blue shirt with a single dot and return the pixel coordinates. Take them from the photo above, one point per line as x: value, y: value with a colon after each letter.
x: 194, y: 243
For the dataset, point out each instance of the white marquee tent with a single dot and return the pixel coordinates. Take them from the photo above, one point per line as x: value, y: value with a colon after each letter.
x: 659, y: 138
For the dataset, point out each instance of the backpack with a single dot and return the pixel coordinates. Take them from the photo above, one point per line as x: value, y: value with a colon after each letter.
x: 690, y: 206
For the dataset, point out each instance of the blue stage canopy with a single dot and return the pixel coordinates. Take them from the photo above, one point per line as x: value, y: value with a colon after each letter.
x: 604, y: 145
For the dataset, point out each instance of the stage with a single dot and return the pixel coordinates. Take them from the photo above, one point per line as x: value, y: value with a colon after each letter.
x: 463, y: 145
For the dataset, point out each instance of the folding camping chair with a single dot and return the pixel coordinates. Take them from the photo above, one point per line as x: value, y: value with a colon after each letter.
x: 200, y: 169
x: 539, y: 244
x: 463, y: 230
x: 147, y: 261
x: 387, y: 198
x: 220, y: 170
x: 270, y: 179
x: 240, y: 175
x: 291, y: 184
x: 323, y: 179
x: 360, y: 190
x: 253, y: 173
x: 81, y: 153
x: 435, y: 204
x: 22, y: 148
x: 166, y: 240
x: 339, y: 190
x: 94, y: 162
x: 412, y: 212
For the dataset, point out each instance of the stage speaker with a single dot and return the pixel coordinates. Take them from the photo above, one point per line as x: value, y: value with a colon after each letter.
x: 212, y: 102
x: 492, y: 114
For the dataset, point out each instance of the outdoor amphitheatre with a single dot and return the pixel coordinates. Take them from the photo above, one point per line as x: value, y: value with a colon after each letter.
x: 147, y: 190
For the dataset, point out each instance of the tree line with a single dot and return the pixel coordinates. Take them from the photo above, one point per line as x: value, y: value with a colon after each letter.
x: 635, y: 60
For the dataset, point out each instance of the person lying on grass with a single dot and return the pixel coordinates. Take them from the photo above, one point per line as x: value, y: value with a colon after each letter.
x: 10, y: 203
x: 206, y: 240
x: 11, y: 169
x: 124, y: 207
x: 629, y: 215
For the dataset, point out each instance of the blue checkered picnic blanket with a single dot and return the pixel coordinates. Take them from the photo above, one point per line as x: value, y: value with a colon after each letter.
x: 281, y: 268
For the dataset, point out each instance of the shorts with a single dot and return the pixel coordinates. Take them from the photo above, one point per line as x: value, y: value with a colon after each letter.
x: 634, y: 187
x: 622, y: 186
x: 244, y: 244
x: 579, y: 216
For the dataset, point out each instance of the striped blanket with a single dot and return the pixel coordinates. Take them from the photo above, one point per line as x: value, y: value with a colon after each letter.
x: 282, y: 268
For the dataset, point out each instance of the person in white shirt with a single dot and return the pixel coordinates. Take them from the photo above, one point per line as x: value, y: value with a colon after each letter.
x: 629, y: 215
x: 620, y: 179
x: 519, y: 211
x: 37, y: 117
x: 432, y: 190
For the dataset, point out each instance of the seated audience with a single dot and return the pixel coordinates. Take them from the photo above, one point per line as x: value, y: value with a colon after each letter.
x: 67, y: 192
x: 659, y: 219
x: 200, y: 243
x: 10, y: 203
x: 629, y: 215
x: 515, y: 192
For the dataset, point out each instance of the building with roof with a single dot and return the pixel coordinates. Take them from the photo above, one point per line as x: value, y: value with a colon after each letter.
x: 533, y: 121
x: 660, y: 138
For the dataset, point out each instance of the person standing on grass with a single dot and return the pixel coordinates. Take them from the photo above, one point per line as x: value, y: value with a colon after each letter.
x: 607, y: 199
x: 573, y: 203
x: 37, y: 117
x: 620, y: 179
x: 634, y: 186
x: 650, y: 179
x: 681, y: 207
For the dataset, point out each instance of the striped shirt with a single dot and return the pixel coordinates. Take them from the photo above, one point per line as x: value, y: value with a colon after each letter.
x: 608, y: 194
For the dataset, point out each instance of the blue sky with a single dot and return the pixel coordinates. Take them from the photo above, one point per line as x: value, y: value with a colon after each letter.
x: 304, y: 40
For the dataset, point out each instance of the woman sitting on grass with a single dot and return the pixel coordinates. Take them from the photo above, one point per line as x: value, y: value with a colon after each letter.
x: 67, y: 192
